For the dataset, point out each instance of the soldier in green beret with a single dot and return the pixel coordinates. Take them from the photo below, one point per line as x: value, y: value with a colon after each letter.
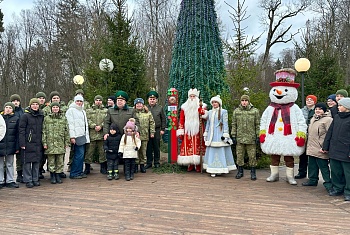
x: 153, y: 145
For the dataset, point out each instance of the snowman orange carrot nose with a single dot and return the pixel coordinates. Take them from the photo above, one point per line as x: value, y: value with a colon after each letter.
x: 279, y: 91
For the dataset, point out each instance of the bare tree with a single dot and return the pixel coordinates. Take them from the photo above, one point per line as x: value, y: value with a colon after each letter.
x: 275, y: 15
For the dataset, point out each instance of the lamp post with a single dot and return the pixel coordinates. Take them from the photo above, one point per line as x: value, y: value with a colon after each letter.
x: 106, y: 65
x: 302, y: 65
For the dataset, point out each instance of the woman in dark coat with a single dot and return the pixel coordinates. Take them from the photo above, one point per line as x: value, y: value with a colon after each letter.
x: 337, y: 144
x: 30, y: 141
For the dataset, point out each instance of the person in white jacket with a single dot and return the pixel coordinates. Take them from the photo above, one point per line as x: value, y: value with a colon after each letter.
x: 2, y: 128
x: 79, y: 135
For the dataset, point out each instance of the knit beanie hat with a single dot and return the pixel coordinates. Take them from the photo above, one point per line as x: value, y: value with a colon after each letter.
x: 342, y: 92
x: 130, y: 124
x: 34, y: 100
x: 98, y: 97
x: 113, y: 126
x: 345, y: 102
x: 332, y: 97
x: 139, y: 100
x: 54, y: 104
x: 10, y: 104
x: 54, y: 93
x: 245, y: 97
x: 322, y: 106
x: 112, y: 97
x: 15, y: 97
x: 40, y: 94
x: 79, y: 91
x: 313, y: 97
x: 78, y: 97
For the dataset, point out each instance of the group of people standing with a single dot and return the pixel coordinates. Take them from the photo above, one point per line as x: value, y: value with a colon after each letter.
x: 45, y: 130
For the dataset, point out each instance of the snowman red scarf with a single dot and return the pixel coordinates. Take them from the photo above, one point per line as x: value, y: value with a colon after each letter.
x: 285, y: 114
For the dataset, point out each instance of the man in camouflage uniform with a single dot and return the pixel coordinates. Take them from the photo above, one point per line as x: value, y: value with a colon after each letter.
x: 41, y: 96
x: 153, y: 145
x: 55, y: 97
x: 96, y: 116
x: 55, y: 140
x: 245, y: 133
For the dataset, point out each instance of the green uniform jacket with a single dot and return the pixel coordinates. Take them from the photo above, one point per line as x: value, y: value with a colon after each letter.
x: 147, y: 125
x: 96, y: 116
x: 55, y: 133
x: 245, y: 124
x: 120, y: 117
x: 159, y: 118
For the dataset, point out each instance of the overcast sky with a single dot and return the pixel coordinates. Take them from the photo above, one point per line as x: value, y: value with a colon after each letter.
x: 254, y: 28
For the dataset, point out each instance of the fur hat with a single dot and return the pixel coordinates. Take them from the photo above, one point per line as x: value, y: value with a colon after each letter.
x: 98, y: 97
x: 54, y: 93
x: 122, y: 95
x: 345, y: 102
x: 322, y: 106
x: 342, y: 92
x: 34, y: 100
x: 139, y: 100
x: 245, y: 97
x: 79, y: 91
x: 130, y: 124
x: 10, y: 104
x: 332, y: 97
x: 193, y: 91
x: 217, y: 99
x: 78, y: 97
x: 15, y: 97
x: 54, y: 104
x: 313, y: 97
x: 40, y: 94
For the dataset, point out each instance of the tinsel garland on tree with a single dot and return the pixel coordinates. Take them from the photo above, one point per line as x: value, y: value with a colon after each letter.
x: 197, y: 58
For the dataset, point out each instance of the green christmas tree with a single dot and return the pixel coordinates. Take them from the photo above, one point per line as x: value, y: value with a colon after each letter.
x: 197, y: 59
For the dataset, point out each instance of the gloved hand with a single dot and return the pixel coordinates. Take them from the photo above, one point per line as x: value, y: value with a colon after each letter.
x: 136, y: 148
x: 300, y: 141
x: 201, y: 111
x: 222, y: 138
x: 181, y: 137
x: 234, y: 141
x: 120, y: 155
x: 257, y: 140
x: 262, y: 138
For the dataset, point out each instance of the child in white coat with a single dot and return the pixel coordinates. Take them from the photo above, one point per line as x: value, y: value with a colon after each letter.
x: 129, y: 145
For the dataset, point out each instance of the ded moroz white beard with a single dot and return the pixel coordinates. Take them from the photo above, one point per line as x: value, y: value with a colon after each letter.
x: 190, y: 108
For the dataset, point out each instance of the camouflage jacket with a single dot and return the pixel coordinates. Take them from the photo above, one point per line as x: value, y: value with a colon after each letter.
x: 55, y: 133
x: 245, y: 124
x: 147, y: 124
x: 96, y: 116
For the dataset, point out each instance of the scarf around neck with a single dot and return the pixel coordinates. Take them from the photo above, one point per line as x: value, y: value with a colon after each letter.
x: 285, y: 114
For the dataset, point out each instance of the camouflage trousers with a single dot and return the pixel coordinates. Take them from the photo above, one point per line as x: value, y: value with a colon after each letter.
x: 251, y: 152
x: 91, y: 148
x: 141, y: 154
x: 55, y: 162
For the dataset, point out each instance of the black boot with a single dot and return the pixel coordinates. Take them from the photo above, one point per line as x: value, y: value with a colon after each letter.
x: 252, y: 173
x: 52, y: 178
x: 132, y: 169
x: 87, y: 169
x: 110, y: 175
x: 103, y: 168
x: 136, y: 168
x: 116, y: 174
x: 127, y: 169
x: 300, y: 175
x: 19, y: 177
x: 142, y: 168
x: 240, y: 172
x: 58, y: 178
x: 63, y: 175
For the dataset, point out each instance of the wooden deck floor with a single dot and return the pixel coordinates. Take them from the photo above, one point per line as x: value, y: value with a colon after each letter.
x: 190, y: 203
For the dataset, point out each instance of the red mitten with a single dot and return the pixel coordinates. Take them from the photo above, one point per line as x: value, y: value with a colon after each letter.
x: 181, y: 137
x: 300, y: 141
x: 262, y: 138
x: 201, y: 111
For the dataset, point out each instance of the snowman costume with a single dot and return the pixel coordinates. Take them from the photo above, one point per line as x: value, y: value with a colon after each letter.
x: 282, y: 126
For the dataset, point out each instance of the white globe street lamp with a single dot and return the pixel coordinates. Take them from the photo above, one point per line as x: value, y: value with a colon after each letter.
x: 78, y: 79
x: 302, y: 65
x: 106, y: 65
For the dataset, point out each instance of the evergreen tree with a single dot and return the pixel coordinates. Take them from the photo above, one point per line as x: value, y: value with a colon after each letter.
x: 121, y: 47
x: 1, y: 22
x: 197, y: 59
